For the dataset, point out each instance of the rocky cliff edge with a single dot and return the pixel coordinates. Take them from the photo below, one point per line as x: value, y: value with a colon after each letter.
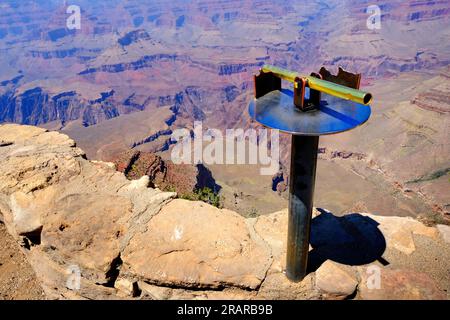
x: 89, y: 233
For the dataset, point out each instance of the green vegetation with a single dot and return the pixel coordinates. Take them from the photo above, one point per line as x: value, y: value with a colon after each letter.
x: 435, y: 175
x: 170, y: 189
x: 206, y: 195
x: 132, y: 172
x: 253, y: 213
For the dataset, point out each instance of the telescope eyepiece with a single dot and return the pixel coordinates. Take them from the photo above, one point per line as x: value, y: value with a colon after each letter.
x: 367, y: 98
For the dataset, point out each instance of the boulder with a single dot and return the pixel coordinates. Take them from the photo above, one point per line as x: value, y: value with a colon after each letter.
x: 126, y: 288
x: 93, y: 242
x: 194, y: 245
x: 336, y: 281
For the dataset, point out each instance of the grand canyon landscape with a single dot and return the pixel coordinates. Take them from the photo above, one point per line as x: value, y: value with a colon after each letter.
x: 86, y: 122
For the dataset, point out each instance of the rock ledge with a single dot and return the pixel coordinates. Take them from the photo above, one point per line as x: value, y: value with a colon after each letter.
x: 89, y: 233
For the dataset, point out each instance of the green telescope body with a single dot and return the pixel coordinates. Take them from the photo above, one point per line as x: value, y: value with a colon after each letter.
x: 324, y: 86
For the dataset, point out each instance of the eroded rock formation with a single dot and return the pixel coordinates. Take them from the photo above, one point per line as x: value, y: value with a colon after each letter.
x: 127, y: 240
x: 184, y: 179
x: 163, y: 174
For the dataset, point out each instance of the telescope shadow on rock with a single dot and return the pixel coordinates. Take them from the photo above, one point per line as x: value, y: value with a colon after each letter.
x: 353, y: 240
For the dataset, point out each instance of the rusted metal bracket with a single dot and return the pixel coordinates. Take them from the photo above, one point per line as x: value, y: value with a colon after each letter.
x: 300, y: 101
x: 345, y: 78
x: 266, y: 82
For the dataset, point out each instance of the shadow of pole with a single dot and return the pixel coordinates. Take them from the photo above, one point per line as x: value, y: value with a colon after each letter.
x: 353, y: 239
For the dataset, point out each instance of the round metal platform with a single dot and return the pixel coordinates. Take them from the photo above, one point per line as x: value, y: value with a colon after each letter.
x: 276, y: 110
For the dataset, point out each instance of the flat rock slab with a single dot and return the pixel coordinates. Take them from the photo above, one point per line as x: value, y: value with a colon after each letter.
x: 399, y: 232
x: 445, y: 232
x: 195, y: 245
x: 398, y: 285
x: 93, y: 241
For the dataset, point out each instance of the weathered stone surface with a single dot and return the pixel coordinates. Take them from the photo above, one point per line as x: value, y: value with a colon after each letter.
x: 69, y: 211
x: 399, y: 285
x: 273, y: 230
x: 34, y: 160
x: 92, y: 242
x: 399, y: 232
x: 153, y: 292
x: 126, y: 288
x: 277, y: 286
x: 445, y: 232
x: 184, y: 179
x: 14, y: 133
x: 352, y: 239
x: 192, y: 244
x: 336, y: 281
x: 59, y: 279
x: 81, y: 221
x: 23, y: 215
x: 31, y: 171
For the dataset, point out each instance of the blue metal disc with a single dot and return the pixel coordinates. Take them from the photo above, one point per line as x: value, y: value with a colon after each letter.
x: 276, y: 110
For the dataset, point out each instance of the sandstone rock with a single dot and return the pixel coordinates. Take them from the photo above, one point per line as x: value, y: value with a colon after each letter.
x: 109, y: 165
x: 75, y: 214
x: 399, y: 232
x: 162, y: 173
x: 55, y: 276
x: 336, y: 281
x: 277, y: 286
x: 273, y: 230
x: 68, y: 209
x: 4, y: 143
x: 399, y: 285
x: 35, y: 159
x: 126, y: 288
x: 92, y: 242
x: 25, y: 217
x: 192, y: 244
x: 139, y: 184
x: 445, y: 232
x: 155, y: 292
x: 147, y: 203
x: 230, y: 294
x: 14, y: 133
x: 353, y: 239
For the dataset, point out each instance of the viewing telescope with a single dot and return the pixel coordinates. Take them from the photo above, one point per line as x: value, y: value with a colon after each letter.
x: 323, y: 82
x: 306, y: 119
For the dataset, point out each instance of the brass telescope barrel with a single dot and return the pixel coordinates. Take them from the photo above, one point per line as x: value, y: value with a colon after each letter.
x: 324, y: 86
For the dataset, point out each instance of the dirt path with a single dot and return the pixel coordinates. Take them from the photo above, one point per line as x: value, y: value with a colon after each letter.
x: 17, y: 279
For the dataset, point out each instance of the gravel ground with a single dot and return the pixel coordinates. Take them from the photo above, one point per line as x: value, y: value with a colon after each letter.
x: 17, y: 279
x: 430, y: 257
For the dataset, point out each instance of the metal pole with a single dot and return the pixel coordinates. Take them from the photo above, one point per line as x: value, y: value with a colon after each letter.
x: 301, y: 193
